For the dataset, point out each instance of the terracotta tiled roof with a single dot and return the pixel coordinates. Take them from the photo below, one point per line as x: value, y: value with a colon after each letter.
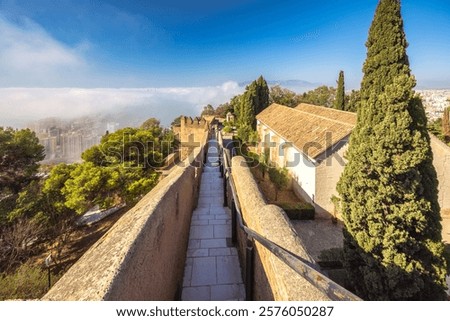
x: 338, y: 115
x: 312, y: 129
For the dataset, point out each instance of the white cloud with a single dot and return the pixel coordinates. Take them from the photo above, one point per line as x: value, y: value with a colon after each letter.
x: 30, y: 56
x: 21, y: 105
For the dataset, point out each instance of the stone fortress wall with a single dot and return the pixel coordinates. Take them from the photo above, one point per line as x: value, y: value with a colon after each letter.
x: 190, y: 133
x: 273, y: 280
x: 142, y: 256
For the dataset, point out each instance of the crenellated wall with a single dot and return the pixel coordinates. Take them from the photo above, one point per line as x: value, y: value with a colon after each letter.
x: 190, y: 133
x: 142, y: 257
x: 273, y: 280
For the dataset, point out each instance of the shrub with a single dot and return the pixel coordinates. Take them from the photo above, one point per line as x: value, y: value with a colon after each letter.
x: 279, y: 177
x: 298, y: 211
x: 252, y: 159
x: 227, y: 129
x: 335, y: 254
x: 27, y: 283
x: 331, y: 261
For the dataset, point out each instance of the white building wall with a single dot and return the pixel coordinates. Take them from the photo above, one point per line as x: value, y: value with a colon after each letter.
x: 303, y: 172
x: 328, y: 174
x: 300, y: 167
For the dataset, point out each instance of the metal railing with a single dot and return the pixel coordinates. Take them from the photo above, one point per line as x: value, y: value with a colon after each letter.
x: 301, y: 266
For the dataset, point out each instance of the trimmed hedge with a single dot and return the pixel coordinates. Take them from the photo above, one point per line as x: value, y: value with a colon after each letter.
x: 299, y: 211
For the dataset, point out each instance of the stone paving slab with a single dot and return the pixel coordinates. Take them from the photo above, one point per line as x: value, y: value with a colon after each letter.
x: 212, y: 270
x: 226, y: 292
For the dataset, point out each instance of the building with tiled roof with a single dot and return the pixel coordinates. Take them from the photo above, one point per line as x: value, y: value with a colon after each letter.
x: 310, y: 141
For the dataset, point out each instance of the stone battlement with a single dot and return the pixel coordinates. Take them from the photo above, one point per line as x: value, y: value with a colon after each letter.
x: 142, y: 256
x: 197, y: 122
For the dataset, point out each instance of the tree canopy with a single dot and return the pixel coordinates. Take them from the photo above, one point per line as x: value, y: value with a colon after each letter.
x: 284, y: 96
x: 120, y: 169
x: 321, y: 96
x: 208, y: 110
x: 20, y: 154
x: 353, y: 101
x: 392, y: 236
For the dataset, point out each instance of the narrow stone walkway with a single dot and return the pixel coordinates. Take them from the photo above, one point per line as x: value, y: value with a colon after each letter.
x: 212, y: 270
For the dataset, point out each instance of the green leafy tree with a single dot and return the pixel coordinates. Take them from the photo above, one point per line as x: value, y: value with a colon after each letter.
x: 353, y: 101
x: 339, y: 103
x: 91, y: 185
x: 133, y: 146
x: 321, y: 96
x: 392, y: 236
x: 153, y: 125
x: 208, y: 110
x: 435, y: 127
x: 223, y: 109
x: 176, y: 122
x: 87, y: 186
x: 52, y: 191
x: 264, y: 162
x: 280, y: 178
x: 20, y: 154
x: 30, y: 202
x: 284, y: 96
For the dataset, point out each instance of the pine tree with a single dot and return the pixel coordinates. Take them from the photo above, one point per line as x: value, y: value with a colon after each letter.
x: 446, y: 124
x: 339, y: 103
x: 392, y: 236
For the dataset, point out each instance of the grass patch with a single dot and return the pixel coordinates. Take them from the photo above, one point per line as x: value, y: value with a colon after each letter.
x: 27, y: 283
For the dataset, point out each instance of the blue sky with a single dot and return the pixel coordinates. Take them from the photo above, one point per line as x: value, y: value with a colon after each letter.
x: 205, y: 44
x: 183, y: 43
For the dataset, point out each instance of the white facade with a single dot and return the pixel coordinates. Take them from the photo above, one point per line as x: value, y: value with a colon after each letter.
x: 302, y: 170
x: 284, y: 154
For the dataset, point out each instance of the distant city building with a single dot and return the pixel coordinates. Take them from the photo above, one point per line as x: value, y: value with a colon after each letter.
x: 64, y: 142
x: 435, y: 101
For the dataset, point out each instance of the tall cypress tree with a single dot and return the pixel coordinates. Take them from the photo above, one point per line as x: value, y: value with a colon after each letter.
x: 392, y: 236
x: 254, y: 100
x: 339, y: 103
x: 261, y: 98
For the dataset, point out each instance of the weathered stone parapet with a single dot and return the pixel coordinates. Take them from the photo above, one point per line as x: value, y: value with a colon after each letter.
x: 274, y: 280
x: 441, y: 162
x: 142, y: 257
